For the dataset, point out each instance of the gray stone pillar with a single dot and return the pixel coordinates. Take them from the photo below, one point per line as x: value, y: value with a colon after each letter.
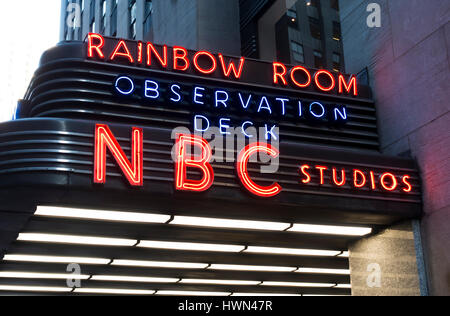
x: 385, y: 264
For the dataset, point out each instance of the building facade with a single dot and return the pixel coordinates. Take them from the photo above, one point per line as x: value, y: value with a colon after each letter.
x: 339, y: 216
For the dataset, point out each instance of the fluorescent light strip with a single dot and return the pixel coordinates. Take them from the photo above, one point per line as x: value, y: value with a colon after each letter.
x: 345, y: 254
x: 101, y: 215
x: 228, y: 223
x: 324, y: 271
x: 343, y: 286
x: 263, y: 294
x: 30, y: 275
x: 190, y: 246
x: 159, y: 264
x: 331, y: 230
x: 20, y: 288
x: 192, y: 293
x: 70, y: 239
x: 291, y: 251
x: 113, y: 291
x: 251, y: 268
x: 118, y: 278
x: 219, y: 282
x: 297, y: 284
x: 51, y: 259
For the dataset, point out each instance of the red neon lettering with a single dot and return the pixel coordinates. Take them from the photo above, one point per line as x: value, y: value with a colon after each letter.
x: 301, y: 85
x: 372, y: 180
x: 348, y: 86
x: 242, y: 169
x: 95, y: 47
x: 329, y: 75
x: 322, y: 170
x: 213, y: 62
x: 163, y: 61
x: 139, y: 59
x: 393, y: 180
x: 363, y: 181
x: 185, y: 161
x: 279, y: 75
x: 105, y: 139
x: 408, y: 187
x: 232, y: 67
x: 180, y: 54
x: 306, y: 174
x: 122, y: 51
x: 342, y: 182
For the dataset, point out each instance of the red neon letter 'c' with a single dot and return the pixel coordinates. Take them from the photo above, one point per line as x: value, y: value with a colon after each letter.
x: 105, y: 139
x: 242, y: 169
x: 184, y: 161
x: 95, y: 47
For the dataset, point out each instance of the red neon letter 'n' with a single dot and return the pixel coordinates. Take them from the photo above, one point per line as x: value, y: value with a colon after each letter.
x: 104, y: 138
x: 97, y: 47
x: 184, y: 161
x: 231, y: 67
x: 242, y: 169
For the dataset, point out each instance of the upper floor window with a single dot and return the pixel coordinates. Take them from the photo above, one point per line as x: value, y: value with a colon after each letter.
x: 132, y: 9
x: 314, y: 26
x: 148, y: 16
x: 297, y: 52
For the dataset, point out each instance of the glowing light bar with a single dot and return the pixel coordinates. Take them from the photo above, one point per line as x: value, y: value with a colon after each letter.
x: 190, y: 246
x: 331, y: 230
x: 228, y: 223
x: 119, y: 278
x: 298, y: 284
x: 20, y: 288
x: 292, y: 251
x: 101, y: 215
x: 30, y: 275
x: 219, y: 282
x: 324, y: 271
x: 159, y: 264
x: 263, y: 294
x: 69, y: 239
x: 51, y: 259
x: 113, y: 291
x: 343, y: 286
x: 345, y: 254
x: 192, y: 293
x: 251, y: 268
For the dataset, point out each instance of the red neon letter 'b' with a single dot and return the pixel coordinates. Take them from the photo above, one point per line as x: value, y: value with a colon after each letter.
x: 105, y: 139
x: 242, y: 169
x: 185, y: 160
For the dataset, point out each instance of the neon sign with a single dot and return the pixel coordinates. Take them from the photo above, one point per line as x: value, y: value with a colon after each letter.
x: 204, y: 63
x: 308, y: 175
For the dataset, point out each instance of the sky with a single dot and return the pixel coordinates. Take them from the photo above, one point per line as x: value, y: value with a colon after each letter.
x: 27, y: 29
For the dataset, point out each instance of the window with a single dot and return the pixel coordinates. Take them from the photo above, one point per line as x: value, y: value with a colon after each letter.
x: 103, y: 16
x: 92, y: 20
x: 114, y: 19
x: 148, y: 16
x: 336, y: 62
x: 314, y: 26
x: 336, y: 31
x: 297, y: 52
x: 292, y: 17
x: 335, y: 4
x: 132, y: 11
x: 312, y: 3
x: 318, y: 59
